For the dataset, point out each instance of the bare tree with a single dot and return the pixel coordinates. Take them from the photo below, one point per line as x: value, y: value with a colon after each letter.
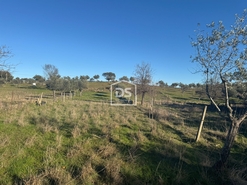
x: 222, y: 54
x: 143, y: 77
x: 5, y: 54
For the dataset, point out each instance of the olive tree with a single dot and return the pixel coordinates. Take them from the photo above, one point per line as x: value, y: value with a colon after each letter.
x: 161, y: 83
x: 109, y: 76
x: 39, y: 78
x: 96, y: 77
x: 125, y: 78
x: 81, y: 84
x: 5, y: 76
x: 222, y: 54
x: 52, y: 78
x: 132, y: 79
x: 84, y: 77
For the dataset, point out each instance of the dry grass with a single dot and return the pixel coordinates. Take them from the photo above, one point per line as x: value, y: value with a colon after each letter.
x: 78, y: 142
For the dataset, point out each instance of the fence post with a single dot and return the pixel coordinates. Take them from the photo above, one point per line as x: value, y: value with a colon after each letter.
x: 201, y: 124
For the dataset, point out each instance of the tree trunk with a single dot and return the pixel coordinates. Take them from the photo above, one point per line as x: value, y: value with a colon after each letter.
x: 225, y: 152
x: 232, y: 133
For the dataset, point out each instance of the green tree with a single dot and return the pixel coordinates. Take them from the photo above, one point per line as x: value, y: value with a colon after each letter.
x: 96, y: 77
x: 198, y: 85
x: 109, y: 76
x: 192, y: 85
x: 132, y: 79
x: 6, y: 76
x: 16, y: 81
x: 81, y: 84
x: 53, y: 81
x: 84, y: 77
x: 39, y: 78
x: 174, y: 85
x: 161, y: 83
x: 125, y: 78
x: 221, y: 55
x: 66, y: 84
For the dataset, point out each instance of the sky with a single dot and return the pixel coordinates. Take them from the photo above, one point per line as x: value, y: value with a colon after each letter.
x: 90, y: 37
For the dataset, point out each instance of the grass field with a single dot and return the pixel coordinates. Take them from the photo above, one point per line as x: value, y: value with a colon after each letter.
x: 84, y: 140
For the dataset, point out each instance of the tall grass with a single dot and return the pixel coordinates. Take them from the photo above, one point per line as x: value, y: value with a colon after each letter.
x: 78, y: 142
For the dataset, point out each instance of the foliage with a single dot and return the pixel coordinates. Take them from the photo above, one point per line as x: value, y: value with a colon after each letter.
x: 161, y: 83
x: 84, y: 77
x: 222, y: 57
x: 5, y: 76
x: 39, y: 78
x: 132, y: 79
x: 52, y: 77
x: 125, y: 78
x: 81, y: 84
x: 67, y: 84
x: 192, y: 85
x: 222, y: 54
x: 109, y: 76
x: 175, y: 84
x: 96, y: 77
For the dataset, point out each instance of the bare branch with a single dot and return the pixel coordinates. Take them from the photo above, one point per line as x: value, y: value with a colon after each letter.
x: 143, y: 77
x: 5, y: 54
x: 219, y: 54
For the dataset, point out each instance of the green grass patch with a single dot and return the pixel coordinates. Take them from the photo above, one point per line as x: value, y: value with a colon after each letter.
x: 84, y: 140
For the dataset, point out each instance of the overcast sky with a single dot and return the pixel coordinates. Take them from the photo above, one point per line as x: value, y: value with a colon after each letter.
x: 88, y: 37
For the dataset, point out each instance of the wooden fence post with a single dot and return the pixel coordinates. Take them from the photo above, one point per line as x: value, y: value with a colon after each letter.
x: 201, y: 124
